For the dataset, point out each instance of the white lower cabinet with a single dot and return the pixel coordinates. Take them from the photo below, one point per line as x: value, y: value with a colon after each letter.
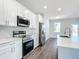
x: 18, y: 49
x: 5, y: 53
x: 12, y: 50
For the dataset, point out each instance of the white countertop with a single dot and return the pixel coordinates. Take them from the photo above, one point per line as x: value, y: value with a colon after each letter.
x: 7, y: 40
x: 72, y: 42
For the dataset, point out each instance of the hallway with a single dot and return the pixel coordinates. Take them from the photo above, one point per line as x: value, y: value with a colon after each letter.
x: 48, y: 51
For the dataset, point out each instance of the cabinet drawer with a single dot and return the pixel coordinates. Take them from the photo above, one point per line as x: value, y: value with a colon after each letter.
x: 4, y: 46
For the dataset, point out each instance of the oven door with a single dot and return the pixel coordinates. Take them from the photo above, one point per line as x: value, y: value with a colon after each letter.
x: 27, y: 47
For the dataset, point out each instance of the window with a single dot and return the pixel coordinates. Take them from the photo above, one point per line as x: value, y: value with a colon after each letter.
x: 74, y: 29
x: 57, y: 27
x: 74, y: 36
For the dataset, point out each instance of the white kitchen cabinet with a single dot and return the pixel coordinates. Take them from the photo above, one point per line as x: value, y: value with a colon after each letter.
x: 22, y: 11
x: 5, y: 52
x: 10, y: 12
x: 12, y: 50
x: 18, y: 49
x: 31, y: 17
x: 36, y: 41
x: 10, y: 9
x: 19, y: 9
x: 1, y: 12
x: 26, y: 13
x: 32, y: 20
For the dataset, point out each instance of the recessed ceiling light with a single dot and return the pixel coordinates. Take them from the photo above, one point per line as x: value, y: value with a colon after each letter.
x: 45, y: 7
x: 59, y: 9
x: 57, y: 17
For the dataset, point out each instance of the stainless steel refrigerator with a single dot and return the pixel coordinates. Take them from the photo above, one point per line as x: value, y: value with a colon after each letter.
x: 42, y: 37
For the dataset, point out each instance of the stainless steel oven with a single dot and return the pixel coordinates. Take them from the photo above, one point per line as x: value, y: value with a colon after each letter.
x: 27, y: 41
x: 28, y: 45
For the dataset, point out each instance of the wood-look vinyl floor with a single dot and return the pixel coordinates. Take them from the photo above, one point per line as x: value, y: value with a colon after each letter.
x: 48, y: 51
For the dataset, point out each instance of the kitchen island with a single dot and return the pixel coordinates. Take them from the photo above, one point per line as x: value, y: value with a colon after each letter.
x: 68, y: 48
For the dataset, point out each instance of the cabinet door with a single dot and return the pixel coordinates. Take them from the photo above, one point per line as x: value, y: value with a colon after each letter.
x: 19, y: 9
x: 18, y: 49
x: 32, y: 20
x: 2, y: 12
x: 5, y: 51
x: 10, y: 12
x: 36, y: 41
x: 13, y: 51
x: 26, y: 13
x: 5, y: 54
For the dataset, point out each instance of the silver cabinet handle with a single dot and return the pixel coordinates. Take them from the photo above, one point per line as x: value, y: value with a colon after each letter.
x: 12, y: 50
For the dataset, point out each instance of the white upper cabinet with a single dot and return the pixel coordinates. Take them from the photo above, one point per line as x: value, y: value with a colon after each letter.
x: 1, y: 12
x: 19, y: 9
x: 10, y: 12
x: 32, y: 20
x: 5, y: 52
x: 24, y: 12
x: 10, y: 9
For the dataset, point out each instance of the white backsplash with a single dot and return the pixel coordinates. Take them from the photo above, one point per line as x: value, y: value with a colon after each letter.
x: 7, y: 31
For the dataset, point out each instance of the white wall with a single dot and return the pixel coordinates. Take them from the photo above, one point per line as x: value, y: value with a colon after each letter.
x: 64, y: 24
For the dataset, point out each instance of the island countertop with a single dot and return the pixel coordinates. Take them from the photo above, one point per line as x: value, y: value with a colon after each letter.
x: 72, y: 42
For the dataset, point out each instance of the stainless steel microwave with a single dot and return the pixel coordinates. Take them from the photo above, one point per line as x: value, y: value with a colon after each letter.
x: 23, y: 22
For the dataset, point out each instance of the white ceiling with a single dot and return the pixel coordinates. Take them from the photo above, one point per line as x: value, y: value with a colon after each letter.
x: 69, y: 7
